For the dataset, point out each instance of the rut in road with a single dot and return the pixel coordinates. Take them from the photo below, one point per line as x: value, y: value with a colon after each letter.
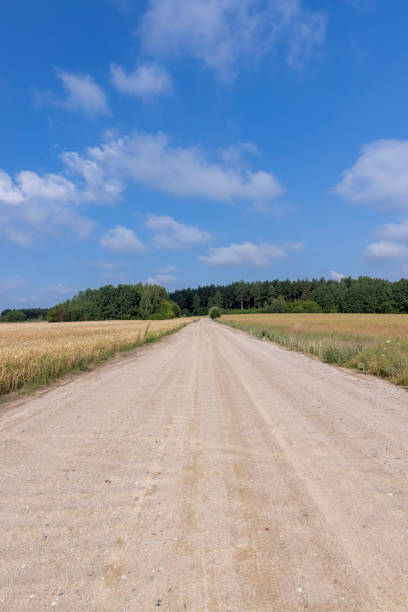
x: 211, y: 471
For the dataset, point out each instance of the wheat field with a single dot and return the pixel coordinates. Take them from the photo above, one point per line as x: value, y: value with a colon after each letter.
x: 363, y: 325
x: 372, y: 343
x: 35, y: 353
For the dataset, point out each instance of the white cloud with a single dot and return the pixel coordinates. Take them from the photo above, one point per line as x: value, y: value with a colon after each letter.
x: 234, y: 153
x: 163, y: 276
x: 161, y: 279
x: 224, y: 34
x: 38, y: 214
x: 83, y: 94
x: 247, y: 253
x: 9, y: 193
x: 148, y: 81
x: 48, y: 187
x: 97, y: 185
x: 386, y: 250
x: 295, y: 246
x: 33, y: 205
x: 182, y: 171
x: 380, y: 175
x: 337, y: 276
x: 123, y: 240
x: 171, y: 234
x: 395, y: 231
x: 149, y: 160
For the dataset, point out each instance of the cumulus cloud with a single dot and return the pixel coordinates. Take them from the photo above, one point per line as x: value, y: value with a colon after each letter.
x: 395, y: 231
x: 94, y: 184
x: 9, y: 193
x: 247, y: 253
x: 182, y: 171
x: 149, y: 80
x: 150, y: 160
x: 48, y: 187
x: 39, y: 205
x: 379, y: 177
x: 337, y: 276
x: 33, y: 204
x: 386, y: 250
x: 123, y: 240
x: 223, y: 34
x: 81, y: 94
x: 171, y: 234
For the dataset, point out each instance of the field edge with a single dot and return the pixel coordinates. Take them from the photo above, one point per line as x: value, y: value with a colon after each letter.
x: 387, y: 360
x: 84, y: 366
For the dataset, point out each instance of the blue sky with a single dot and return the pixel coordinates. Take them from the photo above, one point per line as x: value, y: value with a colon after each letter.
x: 200, y: 142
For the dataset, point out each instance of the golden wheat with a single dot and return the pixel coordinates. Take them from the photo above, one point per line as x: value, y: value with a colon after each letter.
x: 362, y: 325
x: 34, y: 353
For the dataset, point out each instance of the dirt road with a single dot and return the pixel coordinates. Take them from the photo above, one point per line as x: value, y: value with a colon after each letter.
x: 211, y: 471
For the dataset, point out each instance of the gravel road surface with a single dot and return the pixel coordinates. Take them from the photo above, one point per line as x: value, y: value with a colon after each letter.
x: 210, y: 471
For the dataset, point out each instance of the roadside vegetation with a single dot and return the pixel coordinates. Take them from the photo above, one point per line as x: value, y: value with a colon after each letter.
x: 33, y: 354
x: 214, y: 312
x: 370, y: 343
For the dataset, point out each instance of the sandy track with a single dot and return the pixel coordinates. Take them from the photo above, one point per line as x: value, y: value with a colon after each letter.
x: 211, y: 471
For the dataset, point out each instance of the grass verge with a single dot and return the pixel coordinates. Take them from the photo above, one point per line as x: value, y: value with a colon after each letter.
x: 26, y: 370
x: 383, y: 357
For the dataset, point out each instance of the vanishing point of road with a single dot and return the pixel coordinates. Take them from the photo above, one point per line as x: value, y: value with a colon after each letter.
x: 210, y: 471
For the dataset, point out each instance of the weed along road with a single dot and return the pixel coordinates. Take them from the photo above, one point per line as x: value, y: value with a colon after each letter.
x: 210, y: 471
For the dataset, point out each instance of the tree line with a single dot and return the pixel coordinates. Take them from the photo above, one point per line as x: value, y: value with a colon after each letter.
x: 120, y: 302
x: 362, y: 295
x: 9, y: 315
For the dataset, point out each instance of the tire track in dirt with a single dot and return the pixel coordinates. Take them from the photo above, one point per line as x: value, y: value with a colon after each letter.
x: 211, y: 471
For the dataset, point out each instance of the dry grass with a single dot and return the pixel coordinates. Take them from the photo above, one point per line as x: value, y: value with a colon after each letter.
x: 372, y: 343
x: 362, y: 325
x: 35, y: 353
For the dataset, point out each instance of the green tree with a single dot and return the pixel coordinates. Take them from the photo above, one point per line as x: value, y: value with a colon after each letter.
x: 14, y: 316
x: 218, y: 299
x: 167, y: 310
x: 196, y: 304
x: 152, y: 297
x: 215, y: 312
x: 58, y: 313
x: 278, y: 305
x: 305, y: 306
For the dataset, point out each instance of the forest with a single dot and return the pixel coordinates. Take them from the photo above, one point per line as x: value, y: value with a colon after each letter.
x: 359, y: 295
x: 362, y: 295
x: 121, y: 302
x: 9, y: 315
